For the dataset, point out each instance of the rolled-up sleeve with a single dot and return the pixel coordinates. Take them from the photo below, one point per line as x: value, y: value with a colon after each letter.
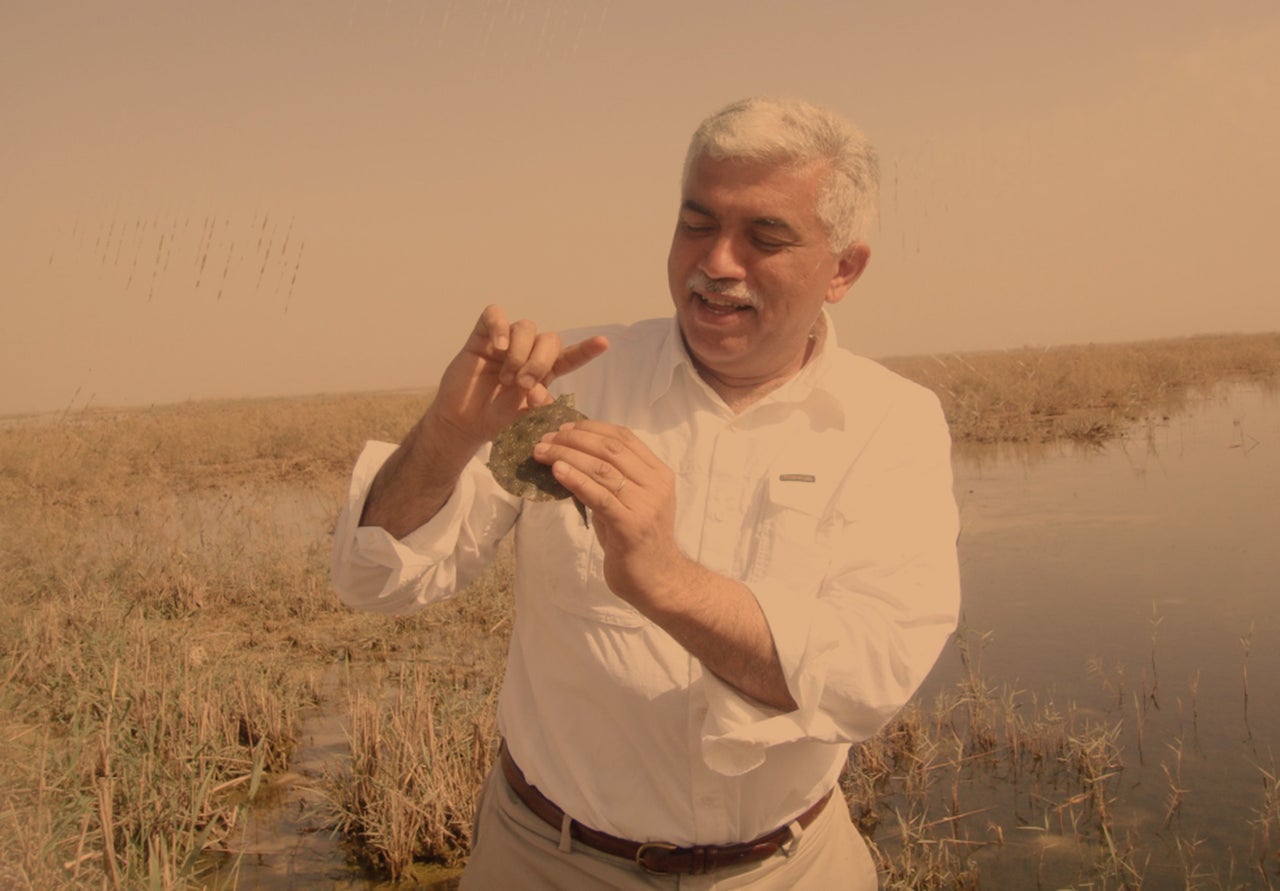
x: 860, y: 595
x: 374, y: 571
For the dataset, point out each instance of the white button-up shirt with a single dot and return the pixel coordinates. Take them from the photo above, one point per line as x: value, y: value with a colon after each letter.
x: 830, y: 498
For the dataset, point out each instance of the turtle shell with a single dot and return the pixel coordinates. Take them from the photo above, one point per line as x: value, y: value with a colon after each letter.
x: 511, y: 458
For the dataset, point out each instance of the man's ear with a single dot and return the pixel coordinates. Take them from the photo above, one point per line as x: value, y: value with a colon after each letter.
x: 851, y: 263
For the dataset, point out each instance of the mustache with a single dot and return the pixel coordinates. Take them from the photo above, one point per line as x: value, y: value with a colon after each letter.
x: 701, y: 282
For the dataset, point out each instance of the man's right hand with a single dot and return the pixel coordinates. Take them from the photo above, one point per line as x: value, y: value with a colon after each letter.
x: 502, y: 370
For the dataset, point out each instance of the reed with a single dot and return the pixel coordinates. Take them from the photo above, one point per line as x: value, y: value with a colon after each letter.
x: 1173, y: 801
x: 416, y: 763
x: 423, y: 741
x: 1266, y: 820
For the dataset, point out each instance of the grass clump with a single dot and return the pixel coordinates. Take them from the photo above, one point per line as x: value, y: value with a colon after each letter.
x: 423, y: 735
x: 1083, y: 393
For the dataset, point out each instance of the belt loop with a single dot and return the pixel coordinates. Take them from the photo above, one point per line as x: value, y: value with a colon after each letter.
x: 796, y: 831
x: 566, y: 838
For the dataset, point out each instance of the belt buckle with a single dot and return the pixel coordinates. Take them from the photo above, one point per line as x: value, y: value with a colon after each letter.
x: 657, y: 846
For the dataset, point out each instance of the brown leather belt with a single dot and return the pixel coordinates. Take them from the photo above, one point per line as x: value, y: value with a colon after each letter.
x: 655, y: 857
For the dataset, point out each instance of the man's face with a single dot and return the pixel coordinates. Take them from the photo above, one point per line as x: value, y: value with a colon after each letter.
x: 751, y: 267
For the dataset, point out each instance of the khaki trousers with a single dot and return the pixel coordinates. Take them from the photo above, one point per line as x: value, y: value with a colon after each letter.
x: 514, y: 850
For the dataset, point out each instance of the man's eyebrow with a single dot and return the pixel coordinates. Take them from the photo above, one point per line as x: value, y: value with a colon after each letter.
x: 775, y: 223
x: 690, y: 204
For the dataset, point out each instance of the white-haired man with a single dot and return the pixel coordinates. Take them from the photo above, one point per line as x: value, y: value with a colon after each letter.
x: 770, y: 567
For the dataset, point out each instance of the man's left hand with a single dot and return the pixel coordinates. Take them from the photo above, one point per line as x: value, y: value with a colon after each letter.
x: 631, y: 495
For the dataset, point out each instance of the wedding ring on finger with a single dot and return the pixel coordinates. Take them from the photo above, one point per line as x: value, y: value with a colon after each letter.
x: 622, y: 485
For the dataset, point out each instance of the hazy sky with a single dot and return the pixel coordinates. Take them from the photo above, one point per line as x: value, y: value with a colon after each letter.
x: 252, y: 197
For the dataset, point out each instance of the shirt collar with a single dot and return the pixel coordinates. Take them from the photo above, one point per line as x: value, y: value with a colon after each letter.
x: 810, y: 389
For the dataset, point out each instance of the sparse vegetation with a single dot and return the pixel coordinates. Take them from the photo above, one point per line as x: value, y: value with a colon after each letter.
x: 165, y: 614
x: 1084, y: 393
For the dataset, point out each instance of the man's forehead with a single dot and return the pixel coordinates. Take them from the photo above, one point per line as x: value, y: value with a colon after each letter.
x: 771, y: 192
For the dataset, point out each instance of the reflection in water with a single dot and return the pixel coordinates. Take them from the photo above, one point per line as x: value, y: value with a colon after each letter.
x: 1150, y: 563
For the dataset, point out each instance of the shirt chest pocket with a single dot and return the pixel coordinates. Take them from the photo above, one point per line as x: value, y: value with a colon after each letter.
x: 562, y: 564
x: 792, y: 545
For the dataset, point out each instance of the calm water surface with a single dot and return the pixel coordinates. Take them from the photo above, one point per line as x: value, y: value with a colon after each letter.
x: 1153, y: 562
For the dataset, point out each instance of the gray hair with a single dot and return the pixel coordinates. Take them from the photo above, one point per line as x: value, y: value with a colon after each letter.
x: 788, y: 131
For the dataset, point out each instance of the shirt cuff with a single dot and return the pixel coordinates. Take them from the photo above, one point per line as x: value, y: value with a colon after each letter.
x: 739, y: 730
x: 372, y: 569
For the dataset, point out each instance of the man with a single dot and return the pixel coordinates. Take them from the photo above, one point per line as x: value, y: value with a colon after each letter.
x: 769, y: 570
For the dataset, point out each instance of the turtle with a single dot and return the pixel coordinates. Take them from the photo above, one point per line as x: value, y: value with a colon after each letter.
x: 511, y: 459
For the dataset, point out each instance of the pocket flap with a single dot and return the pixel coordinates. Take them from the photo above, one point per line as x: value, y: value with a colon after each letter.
x: 802, y: 491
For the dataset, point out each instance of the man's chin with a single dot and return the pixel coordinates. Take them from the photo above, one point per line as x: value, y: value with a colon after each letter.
x: 719, y: 355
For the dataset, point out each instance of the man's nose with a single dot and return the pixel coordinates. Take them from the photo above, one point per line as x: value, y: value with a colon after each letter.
x: 723, y: 260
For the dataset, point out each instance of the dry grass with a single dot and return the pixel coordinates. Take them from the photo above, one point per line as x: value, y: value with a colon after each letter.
x: 1083, y: 393
x: 195, y: 445
x: 423, y: 735
x: 162, y: 572
x: 165, y: 610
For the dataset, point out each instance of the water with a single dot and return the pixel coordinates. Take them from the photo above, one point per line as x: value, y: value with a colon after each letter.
x: 1075, y: 554
x: 1150, y: 564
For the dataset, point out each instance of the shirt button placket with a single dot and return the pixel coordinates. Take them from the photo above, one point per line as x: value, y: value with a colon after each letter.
x: 725, y: 477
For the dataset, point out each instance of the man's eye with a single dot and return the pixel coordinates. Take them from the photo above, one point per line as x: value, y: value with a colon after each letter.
x: 767, y: 244
x: 695, y: 228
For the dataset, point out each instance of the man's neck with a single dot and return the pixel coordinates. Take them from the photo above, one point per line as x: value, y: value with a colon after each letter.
x: 740, y: 395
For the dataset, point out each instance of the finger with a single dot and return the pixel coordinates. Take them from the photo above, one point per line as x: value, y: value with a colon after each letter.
x: 574, y: 357
x: 598, y: 497
x: 523, y: 333
x: 609, y: 441
x: 542, y: 356
x: 607, y: 461
x: 493, y: 328
x: 608, y: 476
x: 539, y: 395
